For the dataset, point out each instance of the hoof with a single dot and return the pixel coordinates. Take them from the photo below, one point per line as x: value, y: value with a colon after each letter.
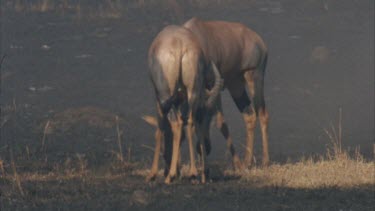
x: 194, y: 180
x: 203, y: 180
x: 237, y: 164
x: 265, y: 163
x: 205, y: 176
x: 247, y: 164
x: 193, y: 174
x: 151, y: 177
x: 168, y: 180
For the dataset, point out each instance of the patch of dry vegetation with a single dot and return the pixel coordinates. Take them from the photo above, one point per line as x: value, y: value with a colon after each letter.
x: 337, y: 169
x: 339, y: 172
x: 342, y: 172
x: 300, y: 185
x: 73, y: 182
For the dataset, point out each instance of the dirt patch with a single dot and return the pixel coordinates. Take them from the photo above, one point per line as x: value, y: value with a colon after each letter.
x: 88, y: 115
x: 341, y: 183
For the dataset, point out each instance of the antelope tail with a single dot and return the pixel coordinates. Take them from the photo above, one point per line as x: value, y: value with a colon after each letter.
x: 215, y: 91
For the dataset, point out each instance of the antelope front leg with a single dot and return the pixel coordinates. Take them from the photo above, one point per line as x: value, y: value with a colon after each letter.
x: 250, y: 120
x: 240, y: 97
x: 220, y: 123
x: 255, y: 84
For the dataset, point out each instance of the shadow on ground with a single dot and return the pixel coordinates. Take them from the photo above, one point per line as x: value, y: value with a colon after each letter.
x: 130, y: 193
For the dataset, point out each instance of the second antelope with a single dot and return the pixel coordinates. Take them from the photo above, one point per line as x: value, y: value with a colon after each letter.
x: 241, y: 57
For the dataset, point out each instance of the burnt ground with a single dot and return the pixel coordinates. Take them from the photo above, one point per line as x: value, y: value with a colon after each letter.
x: 132, y: 194
x: 79, y: 73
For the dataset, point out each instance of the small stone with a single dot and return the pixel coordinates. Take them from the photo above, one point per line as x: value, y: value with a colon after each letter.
x: 319, y: 54
x: 46, y: 47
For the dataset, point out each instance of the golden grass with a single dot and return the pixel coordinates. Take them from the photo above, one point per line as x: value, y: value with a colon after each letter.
x: 337, y: 169
x: 342, y: 172
x: 299, y: 186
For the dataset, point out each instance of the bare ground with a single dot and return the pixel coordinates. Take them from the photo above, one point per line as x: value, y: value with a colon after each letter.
x: 70, y: 70
x: 337, y: 184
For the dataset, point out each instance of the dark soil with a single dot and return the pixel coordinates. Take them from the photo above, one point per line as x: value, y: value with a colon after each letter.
x: 79, y: 73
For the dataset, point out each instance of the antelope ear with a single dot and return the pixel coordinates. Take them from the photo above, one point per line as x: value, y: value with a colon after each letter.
x: 150, y: 120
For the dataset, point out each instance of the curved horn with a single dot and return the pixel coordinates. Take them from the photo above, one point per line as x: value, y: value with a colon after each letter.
x: 215, y: 91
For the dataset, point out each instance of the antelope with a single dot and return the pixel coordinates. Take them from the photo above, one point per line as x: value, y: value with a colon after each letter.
x: 178, y: 70
x: 241, y: 56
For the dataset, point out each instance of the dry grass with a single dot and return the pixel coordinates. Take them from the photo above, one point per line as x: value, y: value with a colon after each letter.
x: 337, y: 169
x: 339, y: 172
x: 73, y: 168
x: 307, y: 180
x: 343, y: 172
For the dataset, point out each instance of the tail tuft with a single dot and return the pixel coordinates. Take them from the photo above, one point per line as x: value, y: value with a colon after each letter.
x: 259, y: 102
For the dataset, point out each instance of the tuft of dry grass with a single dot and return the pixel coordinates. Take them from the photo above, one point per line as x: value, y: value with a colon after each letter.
x: 337, y: 169
x: 119, y: 133
x: 342, y: 172
x: 335, y: 137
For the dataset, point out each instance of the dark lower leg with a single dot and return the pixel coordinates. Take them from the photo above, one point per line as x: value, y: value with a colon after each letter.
x: 202, y: 152
x: 204, y: 167
x: 220, y: 123
x: 168, y: 139
x: 243, y: 104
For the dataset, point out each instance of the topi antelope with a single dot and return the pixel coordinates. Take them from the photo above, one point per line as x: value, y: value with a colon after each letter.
x: 178, y: 70
x: 241, y: 56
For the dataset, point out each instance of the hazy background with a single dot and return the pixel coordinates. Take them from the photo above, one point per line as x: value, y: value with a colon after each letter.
x: 90, y: 58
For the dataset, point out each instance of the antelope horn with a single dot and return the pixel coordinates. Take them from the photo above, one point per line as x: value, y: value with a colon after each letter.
x: 215, y: 91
